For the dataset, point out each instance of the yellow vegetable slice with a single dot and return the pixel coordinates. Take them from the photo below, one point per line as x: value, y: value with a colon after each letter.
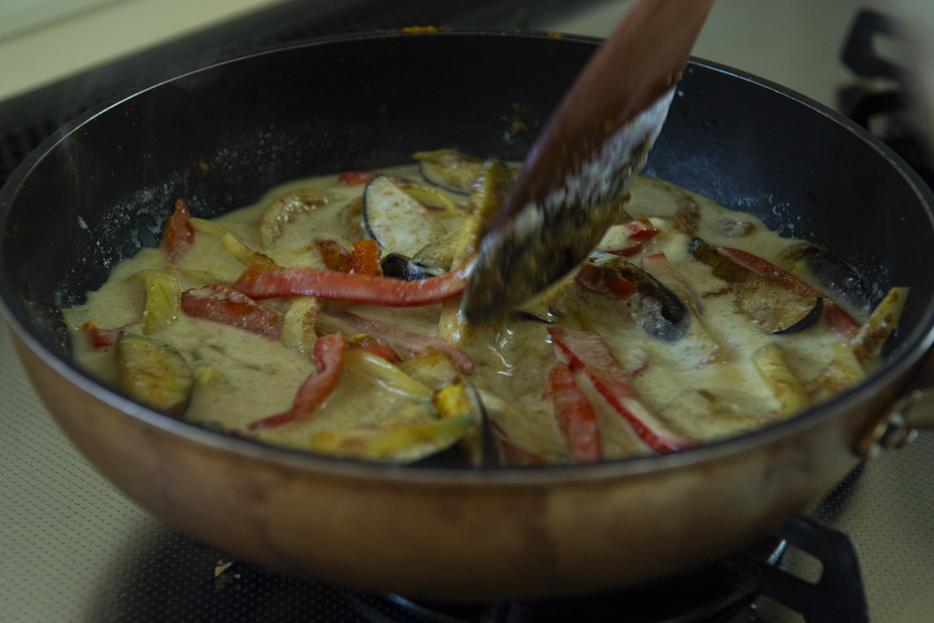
x: 204, y: 375
x: 389, y: 376
x: 783, y: 385
x: 843, y: 371
x: 399, y: 444
x: 244, y: 254
x: 449, y: 168
x: 437, y: 257
x: 208, y: 227
x: 493, y: 182
x: 163, y: 300
x: 459, y: 400
x: 298, y: 326
x: 879, y: 326
x: 431, y: 198
x: 431, y: 367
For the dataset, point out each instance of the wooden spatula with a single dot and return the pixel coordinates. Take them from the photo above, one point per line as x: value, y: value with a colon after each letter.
x: 580, y: 170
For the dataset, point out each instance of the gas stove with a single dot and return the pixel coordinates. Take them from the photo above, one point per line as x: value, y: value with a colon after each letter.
x: 78, y: 550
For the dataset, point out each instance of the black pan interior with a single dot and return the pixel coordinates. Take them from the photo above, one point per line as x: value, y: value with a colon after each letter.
x: 223, y: 135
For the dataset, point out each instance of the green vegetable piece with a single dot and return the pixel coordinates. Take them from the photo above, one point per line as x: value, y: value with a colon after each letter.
x: 163, y: 300
x: 154, y: 373
x: 493, y: 183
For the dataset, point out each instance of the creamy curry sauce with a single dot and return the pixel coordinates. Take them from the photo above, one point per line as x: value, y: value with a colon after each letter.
x: 704, y: 385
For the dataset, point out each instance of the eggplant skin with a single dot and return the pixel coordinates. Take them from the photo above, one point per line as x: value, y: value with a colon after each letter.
x: 655, y: 308
x: 672, y: 308
x: 831, y: 274
x: 449, y: 169
x: 154, y: 373
x: 398, y: 266
x: 774, y: 308
x: 807, y: 321
x: 525, y: 316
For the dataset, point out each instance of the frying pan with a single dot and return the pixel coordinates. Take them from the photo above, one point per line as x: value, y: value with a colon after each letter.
x: 223, y: 134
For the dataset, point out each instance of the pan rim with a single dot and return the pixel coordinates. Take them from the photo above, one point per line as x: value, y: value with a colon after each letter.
x: 913, y: 348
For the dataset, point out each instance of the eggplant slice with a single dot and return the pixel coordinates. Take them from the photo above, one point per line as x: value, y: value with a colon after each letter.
x: 449, y: 169
x: 655, y: 307
x: 399, y: 223
x: 154, y: 373
x: 774, y: 308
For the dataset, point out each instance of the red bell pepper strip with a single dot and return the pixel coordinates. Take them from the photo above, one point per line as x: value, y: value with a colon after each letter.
x: 408, y: 342
x: 224, y: 305
x: 329, y: 359
x: 365, y: 255
x: 587, y: 352
x: 103, y: 338
x: 769, y: 270
x: 640, y: 229
x: 100, y: 338
x: 628, y: 239
x: 367, y: 289
x: 575, y: 415
x: 604, y: 280
x: 837, y: 319
x: 362, y: 259
x: 179, y: 233
x: 335, y: 256
x: 356, y: 178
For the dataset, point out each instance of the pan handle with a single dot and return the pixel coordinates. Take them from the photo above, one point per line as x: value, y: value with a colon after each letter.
x: 911, y: 412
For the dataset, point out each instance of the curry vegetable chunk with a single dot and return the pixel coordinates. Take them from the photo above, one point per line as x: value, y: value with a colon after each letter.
x: 326, y: 318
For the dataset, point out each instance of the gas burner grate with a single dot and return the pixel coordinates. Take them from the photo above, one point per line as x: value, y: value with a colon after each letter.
x: 884, y: 111
x: 718, y: 593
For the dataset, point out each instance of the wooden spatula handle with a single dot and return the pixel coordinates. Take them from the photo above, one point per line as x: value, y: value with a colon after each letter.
x: 582, y: 166
x: 643, y: 57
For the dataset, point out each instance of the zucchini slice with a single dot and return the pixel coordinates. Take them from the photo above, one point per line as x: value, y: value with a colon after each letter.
x: 399, y: 223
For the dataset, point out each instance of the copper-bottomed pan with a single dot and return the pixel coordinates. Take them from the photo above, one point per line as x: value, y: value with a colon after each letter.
x: 224, y: 134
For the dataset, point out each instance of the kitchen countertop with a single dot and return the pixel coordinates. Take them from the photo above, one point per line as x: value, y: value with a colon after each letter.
x: 795, y: 43
x: 42, y: 42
